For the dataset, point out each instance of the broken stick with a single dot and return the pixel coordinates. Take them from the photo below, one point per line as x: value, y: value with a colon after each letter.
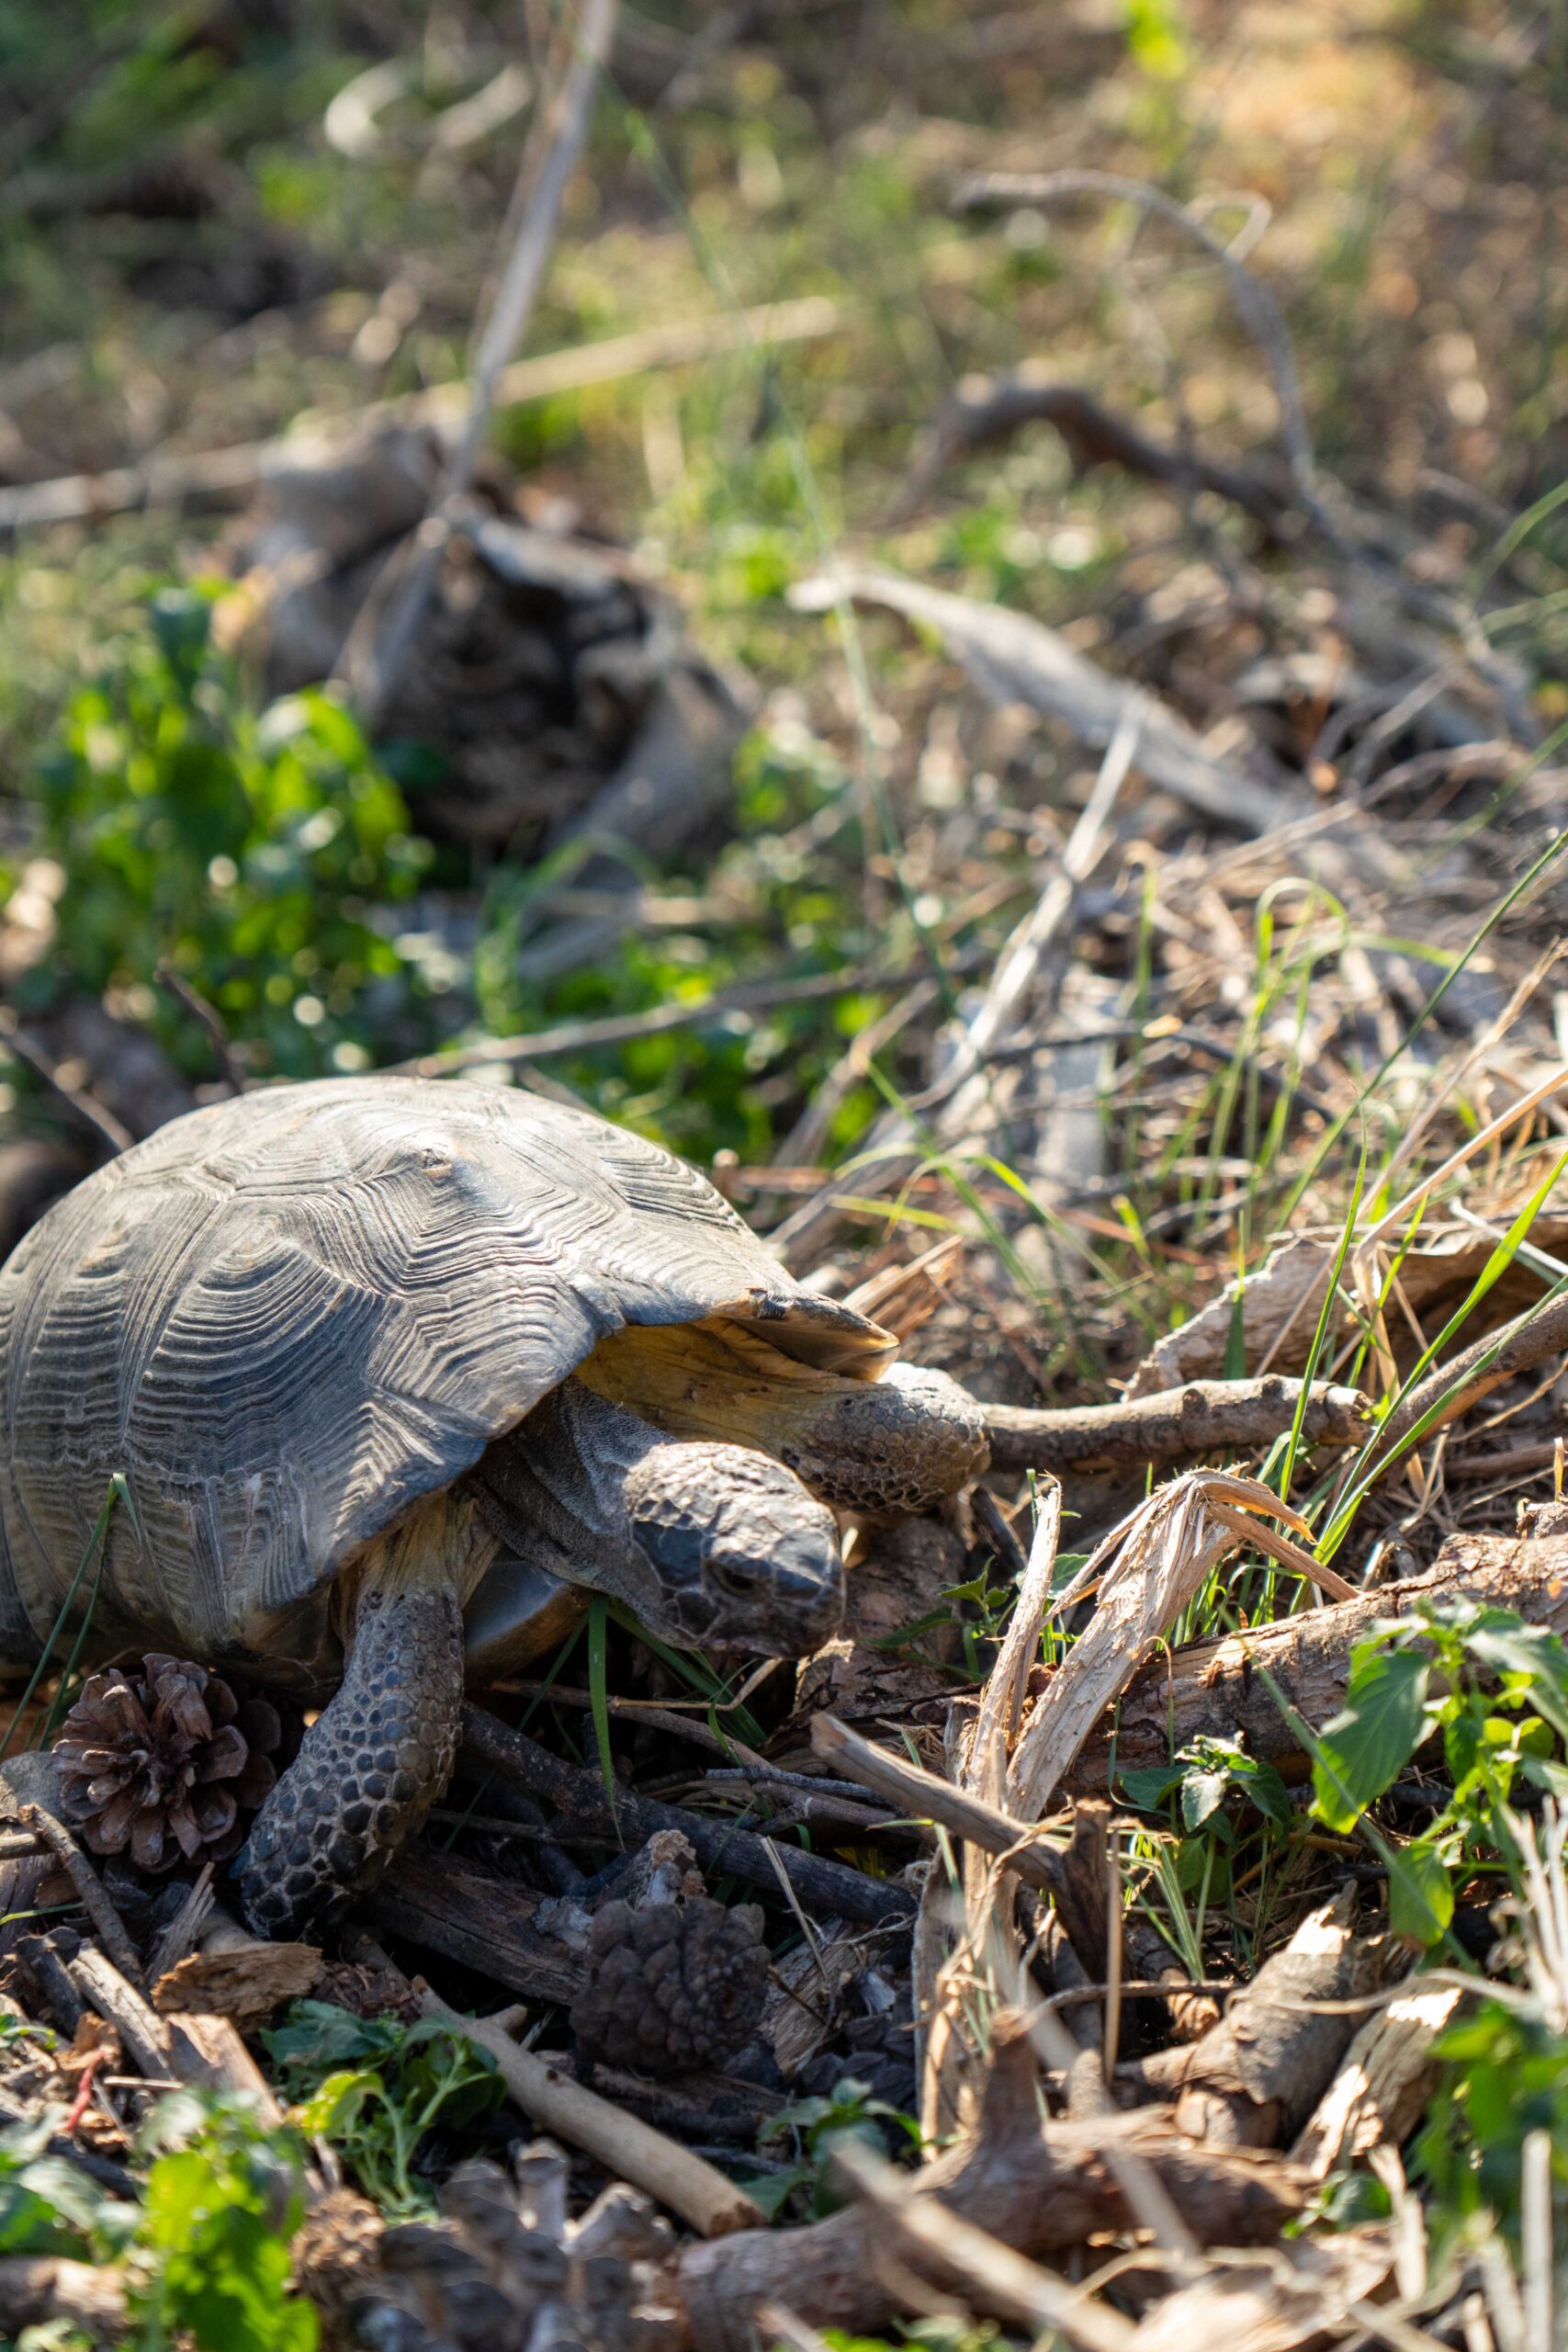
x: 1038, y: 2187
x: 925, y: 1797
x: 1173, y: 1425
x: 824, y: 1886
x: 627, y: 2148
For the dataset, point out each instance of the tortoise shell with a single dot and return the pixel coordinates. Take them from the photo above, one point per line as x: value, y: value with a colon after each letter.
x: 286, y: 1318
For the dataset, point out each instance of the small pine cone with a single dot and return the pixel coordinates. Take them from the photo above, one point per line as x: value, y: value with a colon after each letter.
x: 672, y: 1988
x: 168, y: 1765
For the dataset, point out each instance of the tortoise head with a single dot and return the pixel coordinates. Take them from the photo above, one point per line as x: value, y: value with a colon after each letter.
x: 728, y: 1551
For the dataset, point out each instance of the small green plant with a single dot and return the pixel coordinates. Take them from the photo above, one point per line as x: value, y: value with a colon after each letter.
x: 1495, y: 1690
x: 375, y: 2088
x: 261, y: 856
x: 1506, y: 2075
x: 1202, y: 1776
x: 1211, y: 1788
x: 1505, y: 2082
x: 815, y: 2127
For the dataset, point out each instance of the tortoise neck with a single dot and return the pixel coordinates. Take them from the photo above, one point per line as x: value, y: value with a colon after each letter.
x: 553, y: 1489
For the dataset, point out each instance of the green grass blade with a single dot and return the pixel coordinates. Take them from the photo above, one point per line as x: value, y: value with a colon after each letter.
x: 1324, y: 1324
x: 599, y: 1697
x: 96, y: 1544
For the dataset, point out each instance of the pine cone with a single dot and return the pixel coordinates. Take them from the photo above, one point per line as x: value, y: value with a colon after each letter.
x: 672, y: 1988
x: 167, y: 1764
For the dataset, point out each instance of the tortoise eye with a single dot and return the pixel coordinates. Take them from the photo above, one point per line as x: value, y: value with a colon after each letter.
x: 733, y: 1576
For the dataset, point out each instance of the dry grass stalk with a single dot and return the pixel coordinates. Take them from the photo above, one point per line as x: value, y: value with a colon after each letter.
x: 979, y: 1934
x: 1147, y: 1570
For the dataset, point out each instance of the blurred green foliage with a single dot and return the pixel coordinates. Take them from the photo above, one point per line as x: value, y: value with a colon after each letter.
x: 261, y: 856
x: 203, y: 2250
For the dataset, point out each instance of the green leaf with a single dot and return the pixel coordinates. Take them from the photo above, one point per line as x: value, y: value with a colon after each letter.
x: 337, y: 2105
x: 320, y: 2035
x: 1363, y: 1750
x: 1202, y: 1794
x: 1270, y: 1795
x: 1420, y: 1893
x: 1148, y: 1786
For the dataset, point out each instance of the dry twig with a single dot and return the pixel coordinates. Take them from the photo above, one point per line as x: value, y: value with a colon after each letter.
x: 627, y: 2148
x: 1172, y: 1425
x: 380, y: 639
x: 1147, y: 1569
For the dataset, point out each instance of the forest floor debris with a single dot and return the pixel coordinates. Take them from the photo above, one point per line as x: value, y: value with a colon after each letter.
x: 1075, y: 849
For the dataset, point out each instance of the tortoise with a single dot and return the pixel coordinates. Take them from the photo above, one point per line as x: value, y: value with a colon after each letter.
x: 396, y: 1371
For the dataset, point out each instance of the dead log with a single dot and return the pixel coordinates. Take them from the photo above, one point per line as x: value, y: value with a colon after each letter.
x: 1174, y: 1425
x: 1254, y: 2079
x: 1218, y: 1689
x: 451, y: 1906
x: 1381, y: 2091
x: 1040, y: 2187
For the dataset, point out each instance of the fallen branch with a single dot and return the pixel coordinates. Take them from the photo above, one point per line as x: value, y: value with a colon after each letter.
x: 1255, y: 2078
x: 985, y: 410
x: 1255, y: 306
x: 182, y: 2047
x: 229, y: 477
x: 824, y: 1886
x: 925, y: 1797
x: 1013, y: 658
x: 107, y: 1925
x: 93, y: 1115
x: 1038, y: 2187
x: 993, y: 2278
x: 625, y: 1028
x: 627, y: 2148
x: 1218, y: 1688
x: 1173, y: 1425
x: 1453, y: 1387
x: 1146, y: 1571
x: 1381, y: 2091
x: 447, y: 1903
